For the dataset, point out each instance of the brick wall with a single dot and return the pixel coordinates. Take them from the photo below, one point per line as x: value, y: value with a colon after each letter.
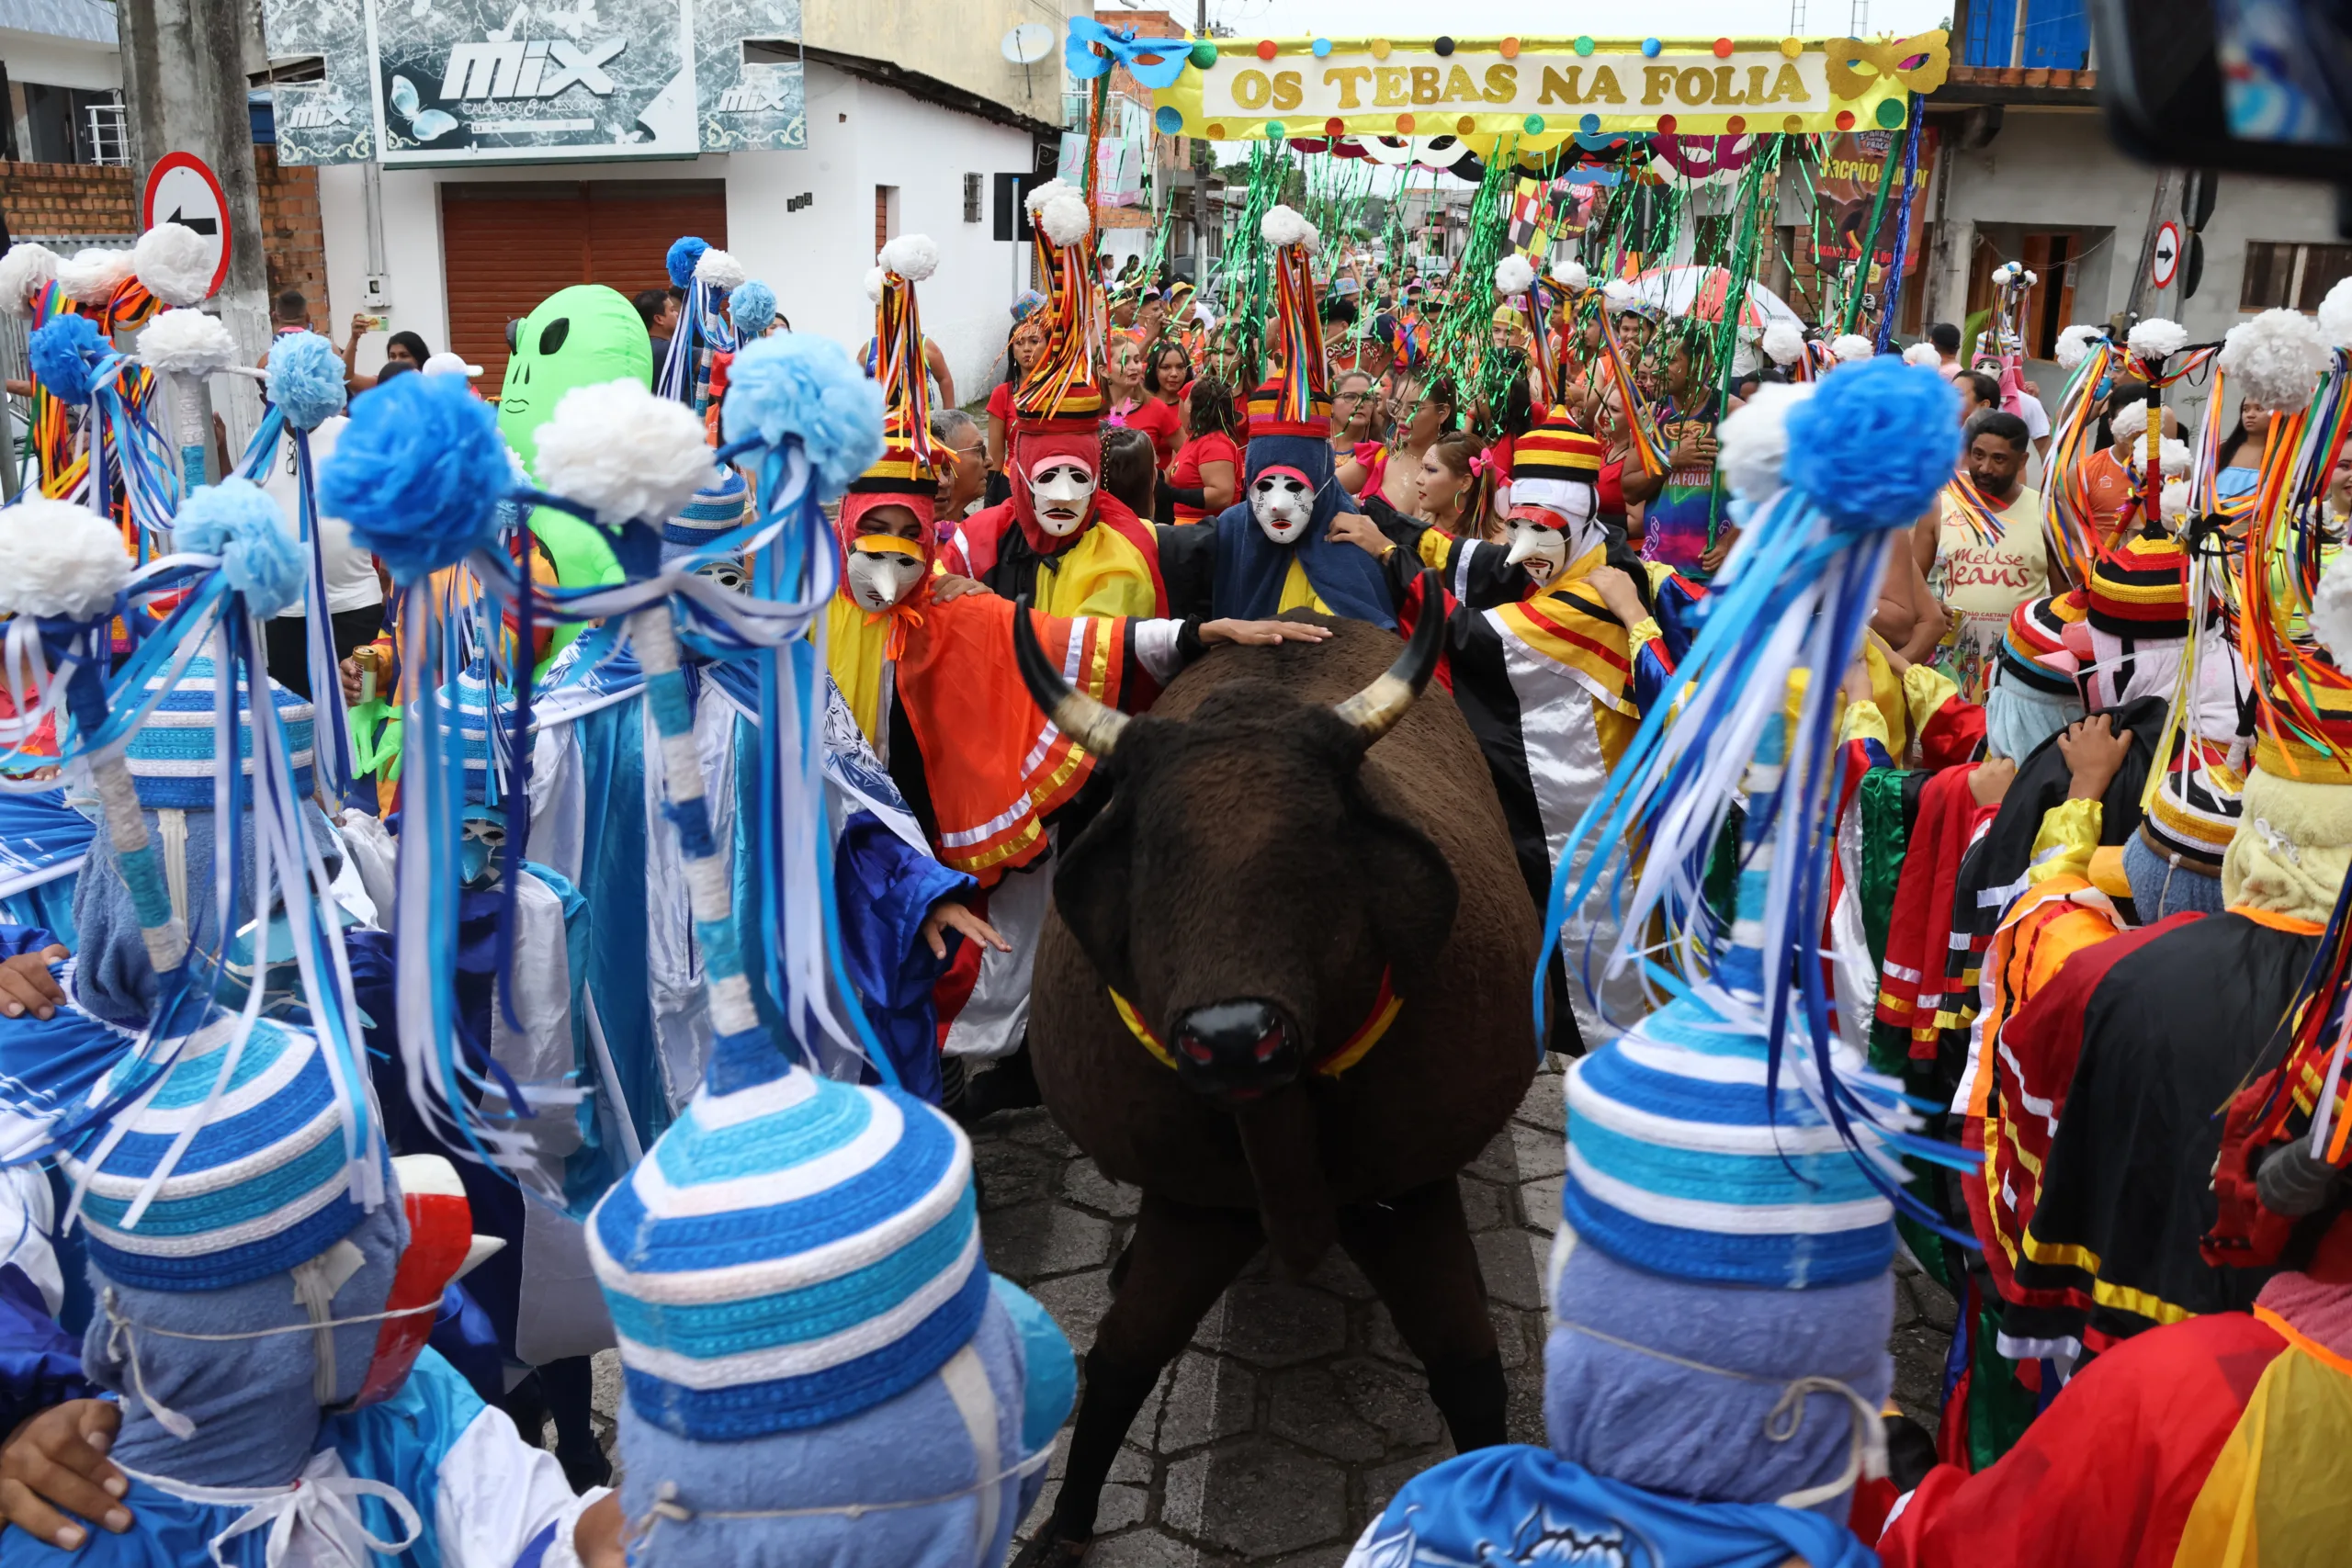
x: 85, y: 199
x: 293, y: 239
x: 68, y: 198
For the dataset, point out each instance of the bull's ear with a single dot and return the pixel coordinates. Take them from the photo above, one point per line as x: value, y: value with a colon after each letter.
x: 1414, y: 894
x: 1090, y: 884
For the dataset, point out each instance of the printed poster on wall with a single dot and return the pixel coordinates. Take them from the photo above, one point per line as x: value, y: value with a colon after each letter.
x: 442, y: 83
x: 1848, y: 186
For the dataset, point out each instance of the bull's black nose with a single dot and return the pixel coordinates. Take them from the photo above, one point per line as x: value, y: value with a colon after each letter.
x: 1236, y: 1047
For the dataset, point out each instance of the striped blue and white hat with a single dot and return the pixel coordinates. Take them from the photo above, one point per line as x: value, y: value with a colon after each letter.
x: 715, y: 510
x: 263, y: 1184
x: 470, y: 705
x: 1692, y: 1155
x: 1681, y: 1164
x: 170, y: 756
x: 789, y: 1253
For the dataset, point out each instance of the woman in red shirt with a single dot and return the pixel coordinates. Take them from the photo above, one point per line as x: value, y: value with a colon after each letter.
x: 1155, y: 411
x: 1028, y: 340
x: 1207, y: 476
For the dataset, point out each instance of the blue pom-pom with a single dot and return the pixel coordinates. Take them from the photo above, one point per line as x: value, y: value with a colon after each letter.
x: 1873, y: 446
x: 418, y: 474
x: 801, y: 385
x: 63, y: 354
x: 306, y: 380
x: 751, y: 307
x: 237, y: 521
x: 681, y: 260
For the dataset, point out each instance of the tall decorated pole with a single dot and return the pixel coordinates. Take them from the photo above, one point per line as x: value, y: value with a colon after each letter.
x: 175, y: 266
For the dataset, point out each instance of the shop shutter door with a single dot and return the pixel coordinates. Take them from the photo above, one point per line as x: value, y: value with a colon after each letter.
x: 507, y: 247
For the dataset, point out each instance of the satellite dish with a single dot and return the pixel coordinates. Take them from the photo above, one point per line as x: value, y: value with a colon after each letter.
x: 1028, y: 43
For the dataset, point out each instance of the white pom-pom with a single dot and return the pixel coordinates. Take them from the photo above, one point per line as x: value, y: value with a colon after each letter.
x: 621, y: 449
x: 1513, y: 275
x: 1570, y: 273
x: 2127, y: 423
x: 2031, y: 278
x: 1851, y: 348
x: 2075, y: 344
x: 2006, y: 272
x: 2335, y: 313
x: 93, y: 276
x: 717, y: 269
x: 2176, y: 457
x: 1783, y: 341
x: 913, y: 256
x: 1040, y: 195
x: 63, y: 560
x: 1755, y: 439
x: 2273, y: 360
x: 25, y: 270
x: 2331, y: 611
x: 2175, y: 499
x: 2157, y: 338
x: 187, y: 340
x: 174, y: 264
x: 874, y: 283
x: 1617, y: 296
x: 1922, y: 354
x: 1286, y: 226
x: 1065, y: 219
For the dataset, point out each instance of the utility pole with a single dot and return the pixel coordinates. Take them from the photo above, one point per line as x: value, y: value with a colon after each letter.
x: 184, y: 87
x: 2159, y: 206
x: 1200, y: 180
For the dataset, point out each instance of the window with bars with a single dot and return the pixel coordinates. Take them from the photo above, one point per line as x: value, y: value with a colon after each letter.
x: 2297, y: 276
x: 972, y: 198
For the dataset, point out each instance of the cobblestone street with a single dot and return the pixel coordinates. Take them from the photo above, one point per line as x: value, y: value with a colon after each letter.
x: 1297, y: 1411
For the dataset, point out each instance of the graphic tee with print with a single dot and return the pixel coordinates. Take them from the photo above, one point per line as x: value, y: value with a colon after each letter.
x: 1674, y: 523
x: 1981, y: 583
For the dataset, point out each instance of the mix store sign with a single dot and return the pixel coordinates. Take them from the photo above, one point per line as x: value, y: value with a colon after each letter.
x: 1233, y: 90
x: 452, y: 81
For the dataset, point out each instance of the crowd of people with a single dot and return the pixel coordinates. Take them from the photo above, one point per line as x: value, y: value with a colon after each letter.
x: 454, y: 923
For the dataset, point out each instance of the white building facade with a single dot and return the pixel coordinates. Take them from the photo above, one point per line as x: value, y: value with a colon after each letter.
x: 879, y: 162
x: 476, y: 158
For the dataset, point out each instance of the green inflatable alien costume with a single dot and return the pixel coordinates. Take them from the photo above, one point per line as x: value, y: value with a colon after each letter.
x: 580, y: 336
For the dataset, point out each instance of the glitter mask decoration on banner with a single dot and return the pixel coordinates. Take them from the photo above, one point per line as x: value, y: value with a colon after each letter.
x: 1282, y: 501
x: 1062, y: 488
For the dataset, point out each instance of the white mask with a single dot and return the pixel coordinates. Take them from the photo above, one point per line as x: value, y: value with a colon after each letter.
x: 1281, y: 503
x: 1063, y: 491
x: 1538, y: 547
x: 729, y: 575
x: 878, y: 581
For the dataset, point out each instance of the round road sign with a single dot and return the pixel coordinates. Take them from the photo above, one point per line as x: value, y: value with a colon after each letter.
x: 182, y: 189
x: 2164, y: 260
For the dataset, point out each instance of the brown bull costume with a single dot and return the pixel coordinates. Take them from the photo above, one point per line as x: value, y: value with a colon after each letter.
x: 1283, y: 990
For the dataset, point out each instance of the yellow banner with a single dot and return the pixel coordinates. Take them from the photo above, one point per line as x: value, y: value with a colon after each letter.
x: 1240, y: 89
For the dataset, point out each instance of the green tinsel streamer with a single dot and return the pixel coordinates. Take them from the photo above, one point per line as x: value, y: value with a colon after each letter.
x: 1245, y: 279
x: 1459, y: 349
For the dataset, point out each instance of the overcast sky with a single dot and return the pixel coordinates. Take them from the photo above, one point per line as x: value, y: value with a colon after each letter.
x: 1356, y: 18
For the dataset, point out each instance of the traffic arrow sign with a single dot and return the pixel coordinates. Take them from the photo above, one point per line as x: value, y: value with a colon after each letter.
x: 183, y: 187
x: 2164, y: 260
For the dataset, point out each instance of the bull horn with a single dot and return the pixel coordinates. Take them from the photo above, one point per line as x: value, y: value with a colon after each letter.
x: 1373, y: 711
x: 1075, y: 714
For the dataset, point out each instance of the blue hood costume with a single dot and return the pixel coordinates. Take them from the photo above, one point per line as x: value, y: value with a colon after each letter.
x: 1290, y: 427
x: 1252, y: 567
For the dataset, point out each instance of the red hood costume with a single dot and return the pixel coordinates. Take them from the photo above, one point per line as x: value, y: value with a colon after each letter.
x: 1110, y: 565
